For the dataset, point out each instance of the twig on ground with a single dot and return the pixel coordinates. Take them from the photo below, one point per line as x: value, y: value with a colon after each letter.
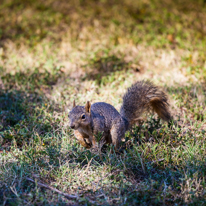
x: 74, y: 197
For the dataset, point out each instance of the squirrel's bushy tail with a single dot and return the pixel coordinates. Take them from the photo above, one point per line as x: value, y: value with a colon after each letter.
x: 141, y: 97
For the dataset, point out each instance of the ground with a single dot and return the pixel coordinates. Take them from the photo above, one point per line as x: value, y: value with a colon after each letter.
x: 52, y: 52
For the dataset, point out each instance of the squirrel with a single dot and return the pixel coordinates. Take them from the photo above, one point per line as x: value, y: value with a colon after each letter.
x: 90, y: 120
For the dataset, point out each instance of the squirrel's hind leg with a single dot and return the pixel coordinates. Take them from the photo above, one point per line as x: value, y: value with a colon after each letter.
x: 117, y: 132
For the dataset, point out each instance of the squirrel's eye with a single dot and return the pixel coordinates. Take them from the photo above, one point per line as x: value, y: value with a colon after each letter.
x: 83, y: 116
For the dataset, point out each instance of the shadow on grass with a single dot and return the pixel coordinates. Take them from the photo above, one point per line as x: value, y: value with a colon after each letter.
x: 31, y: 80
x: 12, y: 109
x: 25, y: 109
x: 25, y: 126
x: 159, y: 185
x: 102, y: 68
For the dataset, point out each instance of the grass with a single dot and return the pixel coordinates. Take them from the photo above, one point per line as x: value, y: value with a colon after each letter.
x: 54, y: 52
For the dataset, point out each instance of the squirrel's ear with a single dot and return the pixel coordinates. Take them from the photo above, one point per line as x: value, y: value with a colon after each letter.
x: 88, y: 106
x: 74, y: 104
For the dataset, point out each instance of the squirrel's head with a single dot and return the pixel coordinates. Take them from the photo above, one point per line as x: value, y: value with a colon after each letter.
x: 79, y: 116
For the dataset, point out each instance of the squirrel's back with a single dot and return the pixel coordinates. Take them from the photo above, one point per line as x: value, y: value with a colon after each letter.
x: 107, y: 111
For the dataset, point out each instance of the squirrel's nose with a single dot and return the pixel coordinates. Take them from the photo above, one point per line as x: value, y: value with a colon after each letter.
x: 72, y: 126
